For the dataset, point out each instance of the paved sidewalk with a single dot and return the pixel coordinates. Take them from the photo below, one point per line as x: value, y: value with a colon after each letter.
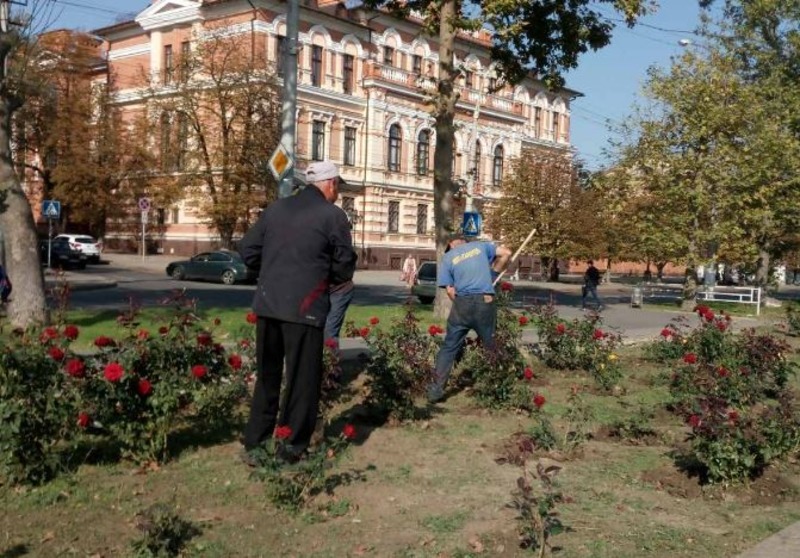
x: 784, y: 544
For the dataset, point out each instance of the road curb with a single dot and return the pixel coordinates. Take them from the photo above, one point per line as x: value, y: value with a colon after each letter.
x: 82, y: 285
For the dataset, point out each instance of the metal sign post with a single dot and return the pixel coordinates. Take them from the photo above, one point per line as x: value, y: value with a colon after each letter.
x: 144, y: 207
x: 51, y: 209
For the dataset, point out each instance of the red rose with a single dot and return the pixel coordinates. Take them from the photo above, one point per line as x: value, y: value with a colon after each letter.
x: 364, y: 332
x: 103, y: 341
x: 75, y: 368
x: 528, y: 373
x: 733, y: 416
x: 598, y: 334
x: 538, y: 400
x: 163, y: 330
x: 199, y: 370
x: 433, y: 330
x: 113, y: 372
x: 694, y: 421
x: 331, y: 343
x: 523, y: 320
x: 666, y: 332
x: 204, y: 339
x: 71, y: 332
x: 56, y: 353
x: 235, y: 361
x: 84, y: 420
x: 701, y: 309
x: 505, y: 286
x: 561, y: 328
x: 251, y: 318
x: 690, y: 358
x: 374, y: 320
x: 145, y: 387
x: 48, y: 334
x: 244, y: 344
x: 143, y: 335
x: 219, y: 349
x: 722, y: 326
x: 723, y: 372
x: 349, y: 431
x: 217, y: 321
x: 283, y: 432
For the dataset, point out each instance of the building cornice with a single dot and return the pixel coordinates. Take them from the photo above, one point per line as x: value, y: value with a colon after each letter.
x: 156, y: 16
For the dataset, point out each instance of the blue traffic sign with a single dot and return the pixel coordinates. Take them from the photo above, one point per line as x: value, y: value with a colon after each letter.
x: 471, y: 225
x: 51, y: 209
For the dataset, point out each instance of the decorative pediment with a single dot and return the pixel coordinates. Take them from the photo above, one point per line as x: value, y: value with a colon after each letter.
x: 169, y: 12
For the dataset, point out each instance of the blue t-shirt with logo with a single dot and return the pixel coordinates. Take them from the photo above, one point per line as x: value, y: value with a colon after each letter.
x: 468, y: 268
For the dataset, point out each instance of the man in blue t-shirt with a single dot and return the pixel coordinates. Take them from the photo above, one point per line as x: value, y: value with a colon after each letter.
x: 466, y: 273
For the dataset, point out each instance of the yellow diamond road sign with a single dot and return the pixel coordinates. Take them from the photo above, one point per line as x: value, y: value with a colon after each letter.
x: 280, y: 162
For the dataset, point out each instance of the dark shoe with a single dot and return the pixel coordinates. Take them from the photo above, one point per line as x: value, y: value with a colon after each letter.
x: 246, y: 456
x: 435, y: 394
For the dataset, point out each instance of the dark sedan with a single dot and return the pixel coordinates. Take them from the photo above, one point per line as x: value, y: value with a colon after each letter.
x: 221, y: 265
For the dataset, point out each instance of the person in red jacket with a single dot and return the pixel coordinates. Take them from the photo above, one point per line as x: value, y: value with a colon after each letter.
x: 301, y: 245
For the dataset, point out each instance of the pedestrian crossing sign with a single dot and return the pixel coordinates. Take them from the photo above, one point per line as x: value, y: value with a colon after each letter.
x: 51, y: 209
x: 471, y: 225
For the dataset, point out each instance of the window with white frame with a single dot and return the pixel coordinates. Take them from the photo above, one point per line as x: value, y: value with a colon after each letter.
x: 395, y: 140
x: 318, y: 140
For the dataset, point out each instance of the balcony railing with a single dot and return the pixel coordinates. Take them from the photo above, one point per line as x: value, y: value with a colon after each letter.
x: 398, y: 76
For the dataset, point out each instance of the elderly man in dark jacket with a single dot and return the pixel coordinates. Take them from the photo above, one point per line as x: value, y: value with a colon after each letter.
x: 301, y: 245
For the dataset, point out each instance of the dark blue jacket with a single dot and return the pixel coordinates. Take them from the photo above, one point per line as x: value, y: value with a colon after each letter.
x: 301, y: 245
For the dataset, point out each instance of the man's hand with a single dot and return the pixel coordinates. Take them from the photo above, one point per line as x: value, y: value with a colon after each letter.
x: 502, y: 254
x: 451, y: 292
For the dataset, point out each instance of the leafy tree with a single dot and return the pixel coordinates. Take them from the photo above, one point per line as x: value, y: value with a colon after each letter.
x: 542, y: 191
x: 19, y: 242
x: 218, y: 127
x: 529, y: 37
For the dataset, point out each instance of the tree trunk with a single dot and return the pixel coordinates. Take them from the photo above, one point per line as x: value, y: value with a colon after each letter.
x: 20, y: 242
x: 443, y: 157
x: 762, y: 267
x: 660, y: 271
x: 554, y: 271
x: 690, y: 287
x: 607, y: 273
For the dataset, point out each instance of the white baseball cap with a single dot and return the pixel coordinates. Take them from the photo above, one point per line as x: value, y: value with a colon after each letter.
x: 322, y: 170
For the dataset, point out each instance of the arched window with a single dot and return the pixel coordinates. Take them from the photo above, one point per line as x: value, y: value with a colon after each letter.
x: 497, y: 167
x: 423, y: 152
x: 476, y: 162
x: 395, y: 137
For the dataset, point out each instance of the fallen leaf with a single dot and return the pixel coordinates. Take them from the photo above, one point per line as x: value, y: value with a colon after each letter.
x: 48, y: 536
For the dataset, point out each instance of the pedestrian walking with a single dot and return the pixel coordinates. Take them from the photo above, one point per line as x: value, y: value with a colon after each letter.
x: 591, y: 280
x: 465, y: 272
x: 301, y: 245
x: 409, y: 273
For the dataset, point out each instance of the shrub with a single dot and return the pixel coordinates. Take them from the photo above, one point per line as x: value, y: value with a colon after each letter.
x: 164, y: 532
x: 793, y: 317
x: 536, y: 510
x: 581, y: 344
x: 400, y: 367
x: 732, y: 392
x: 671, y: 342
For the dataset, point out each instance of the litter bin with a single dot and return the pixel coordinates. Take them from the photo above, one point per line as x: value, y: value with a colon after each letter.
x: 636, y: 297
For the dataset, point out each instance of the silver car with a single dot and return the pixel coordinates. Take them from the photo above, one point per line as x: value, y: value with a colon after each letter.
x: 85, y: 244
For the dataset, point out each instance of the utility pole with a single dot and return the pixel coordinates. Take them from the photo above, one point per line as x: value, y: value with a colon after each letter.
x: 289, y: 111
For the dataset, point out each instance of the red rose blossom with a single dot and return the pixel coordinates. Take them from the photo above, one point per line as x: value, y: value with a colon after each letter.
x: 709, y: 315
x: 349, y: 431
x: 690, y: 358
x: 433, y: 329
x: 331, y: 343
x: 722, y: 326
x: 251, y: 318
x: 723, y: 372
x: 144, y: 387
x: 561, y: 328
x: 505, y: 286
x: 694, y: 421
x: 666, y: 332
x: 84, y: 420
x: 733, y: 416
x: 528, y: 373
x: 364, y: 332
x: 48, y: 334
x: 235, y: 361
x: 56, y: 353
x: 199, y: 370
x: 113, y: 372
x: 104, y: 341
x: 217, y: 321
x: 598, y: 334
x: 219, y: 349
x: 75, y: 368
x: 523, y: 320
x: 374, y: 320
x: 143, y: 335
x: 71, y: 332
x: 204, y: 339
x: 163, y: 330
x: 538, y: 400
x: 283, y: 432
x: 244, y: 343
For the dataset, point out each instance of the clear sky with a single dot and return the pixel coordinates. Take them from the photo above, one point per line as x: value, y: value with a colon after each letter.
x: 610, y: 79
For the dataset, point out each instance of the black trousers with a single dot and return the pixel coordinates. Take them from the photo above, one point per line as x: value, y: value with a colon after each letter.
x: 300, y: 346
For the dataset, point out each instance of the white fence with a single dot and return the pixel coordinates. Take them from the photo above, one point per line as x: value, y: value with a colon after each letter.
x: 739, y: 295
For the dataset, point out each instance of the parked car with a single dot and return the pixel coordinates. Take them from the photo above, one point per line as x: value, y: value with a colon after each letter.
x: 424, y: 286
x: 220, y: 265
x: 62, y: 254
x: 84, y: 243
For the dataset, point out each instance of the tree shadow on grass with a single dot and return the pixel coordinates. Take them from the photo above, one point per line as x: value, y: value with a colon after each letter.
x: 14, y: 551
